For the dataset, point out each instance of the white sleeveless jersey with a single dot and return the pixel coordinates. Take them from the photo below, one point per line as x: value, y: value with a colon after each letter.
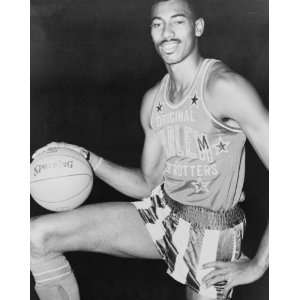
x: 205, y: 158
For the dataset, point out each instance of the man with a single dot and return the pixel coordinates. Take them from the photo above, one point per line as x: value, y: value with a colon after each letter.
x: 196, y: 120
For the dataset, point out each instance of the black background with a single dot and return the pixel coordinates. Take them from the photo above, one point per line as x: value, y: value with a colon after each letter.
x: 91, y: 63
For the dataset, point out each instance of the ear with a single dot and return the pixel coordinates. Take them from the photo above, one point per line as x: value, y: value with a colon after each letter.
x: 199, y: 27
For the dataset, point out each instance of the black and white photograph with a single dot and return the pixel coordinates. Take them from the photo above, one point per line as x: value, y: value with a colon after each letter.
x: 149, y: 150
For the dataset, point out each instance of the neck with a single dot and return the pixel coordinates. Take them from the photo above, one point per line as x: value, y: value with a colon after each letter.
x: 183, y: 73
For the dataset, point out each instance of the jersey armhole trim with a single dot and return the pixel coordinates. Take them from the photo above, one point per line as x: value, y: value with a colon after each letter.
x: 161, y: 84
x: 209, y: 114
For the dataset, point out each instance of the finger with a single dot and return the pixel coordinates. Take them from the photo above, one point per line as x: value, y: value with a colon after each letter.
x: 227, y: 290
x: 213, y: 274
x: 51, y: 145
x: 243, y: 257
x: 215, y: 264
x: 44, y: 149
x: 39, y: 151
x: 69, y: 146
x: 216, y: 279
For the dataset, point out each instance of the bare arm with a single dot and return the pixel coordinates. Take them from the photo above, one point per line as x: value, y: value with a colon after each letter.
x: 240, y: 102
x: 136, y: 183
x: 230, y: 97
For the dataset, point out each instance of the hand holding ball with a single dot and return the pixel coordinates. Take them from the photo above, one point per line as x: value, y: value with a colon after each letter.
x: 60, y: 178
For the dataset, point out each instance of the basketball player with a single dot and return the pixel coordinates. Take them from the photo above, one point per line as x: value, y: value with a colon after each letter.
x: 196, y: 121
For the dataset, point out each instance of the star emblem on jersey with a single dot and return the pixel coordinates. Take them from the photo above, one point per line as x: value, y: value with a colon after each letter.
x: 159, y: 107
x: 194, y: 100
x: 200, y: 185
x: 221, y: 146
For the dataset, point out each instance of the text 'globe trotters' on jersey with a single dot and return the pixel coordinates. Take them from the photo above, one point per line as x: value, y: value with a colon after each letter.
x: 205, y: 158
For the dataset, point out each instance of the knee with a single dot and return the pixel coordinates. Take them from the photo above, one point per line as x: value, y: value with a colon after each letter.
x: 38, y: 237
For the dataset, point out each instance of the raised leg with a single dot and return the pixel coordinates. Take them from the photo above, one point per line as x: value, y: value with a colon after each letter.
x: 112, y: 228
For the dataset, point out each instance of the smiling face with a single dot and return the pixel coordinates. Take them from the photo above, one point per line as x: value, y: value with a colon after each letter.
x: 174, y: 30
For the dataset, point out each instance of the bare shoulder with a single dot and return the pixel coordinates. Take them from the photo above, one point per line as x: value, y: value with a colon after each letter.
x: 223, y: 79
x: 147, y: 104
x: 230, y: 94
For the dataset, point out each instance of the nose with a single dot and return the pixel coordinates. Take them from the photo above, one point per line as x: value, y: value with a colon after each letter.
x: 168, y: 32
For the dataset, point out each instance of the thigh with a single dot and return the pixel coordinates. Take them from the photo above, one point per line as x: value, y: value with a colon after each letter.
x: 114, y: 228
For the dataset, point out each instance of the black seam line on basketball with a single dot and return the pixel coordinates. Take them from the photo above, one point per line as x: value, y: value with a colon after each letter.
x: 65, y: 155
x: 69, y: 197
x: 57, y: 177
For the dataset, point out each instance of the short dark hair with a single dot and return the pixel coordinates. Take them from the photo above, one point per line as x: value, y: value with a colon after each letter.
x: 194, y: 5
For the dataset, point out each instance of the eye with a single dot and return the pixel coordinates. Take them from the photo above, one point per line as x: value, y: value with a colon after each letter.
x: 179, y: 21
x: 155, y: 25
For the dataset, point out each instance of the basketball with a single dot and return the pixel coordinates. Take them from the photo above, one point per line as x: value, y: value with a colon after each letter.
x: 60, y: 179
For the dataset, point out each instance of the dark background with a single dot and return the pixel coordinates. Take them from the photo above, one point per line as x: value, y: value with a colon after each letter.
x: 91, y: 63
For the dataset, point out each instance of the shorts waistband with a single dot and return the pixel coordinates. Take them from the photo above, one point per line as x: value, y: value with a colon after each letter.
x: 206, y: 218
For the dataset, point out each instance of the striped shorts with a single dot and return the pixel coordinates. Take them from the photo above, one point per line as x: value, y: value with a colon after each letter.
x: 189, y: 236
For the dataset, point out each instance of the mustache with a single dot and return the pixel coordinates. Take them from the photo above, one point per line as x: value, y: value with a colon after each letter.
x: 171, y: 40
